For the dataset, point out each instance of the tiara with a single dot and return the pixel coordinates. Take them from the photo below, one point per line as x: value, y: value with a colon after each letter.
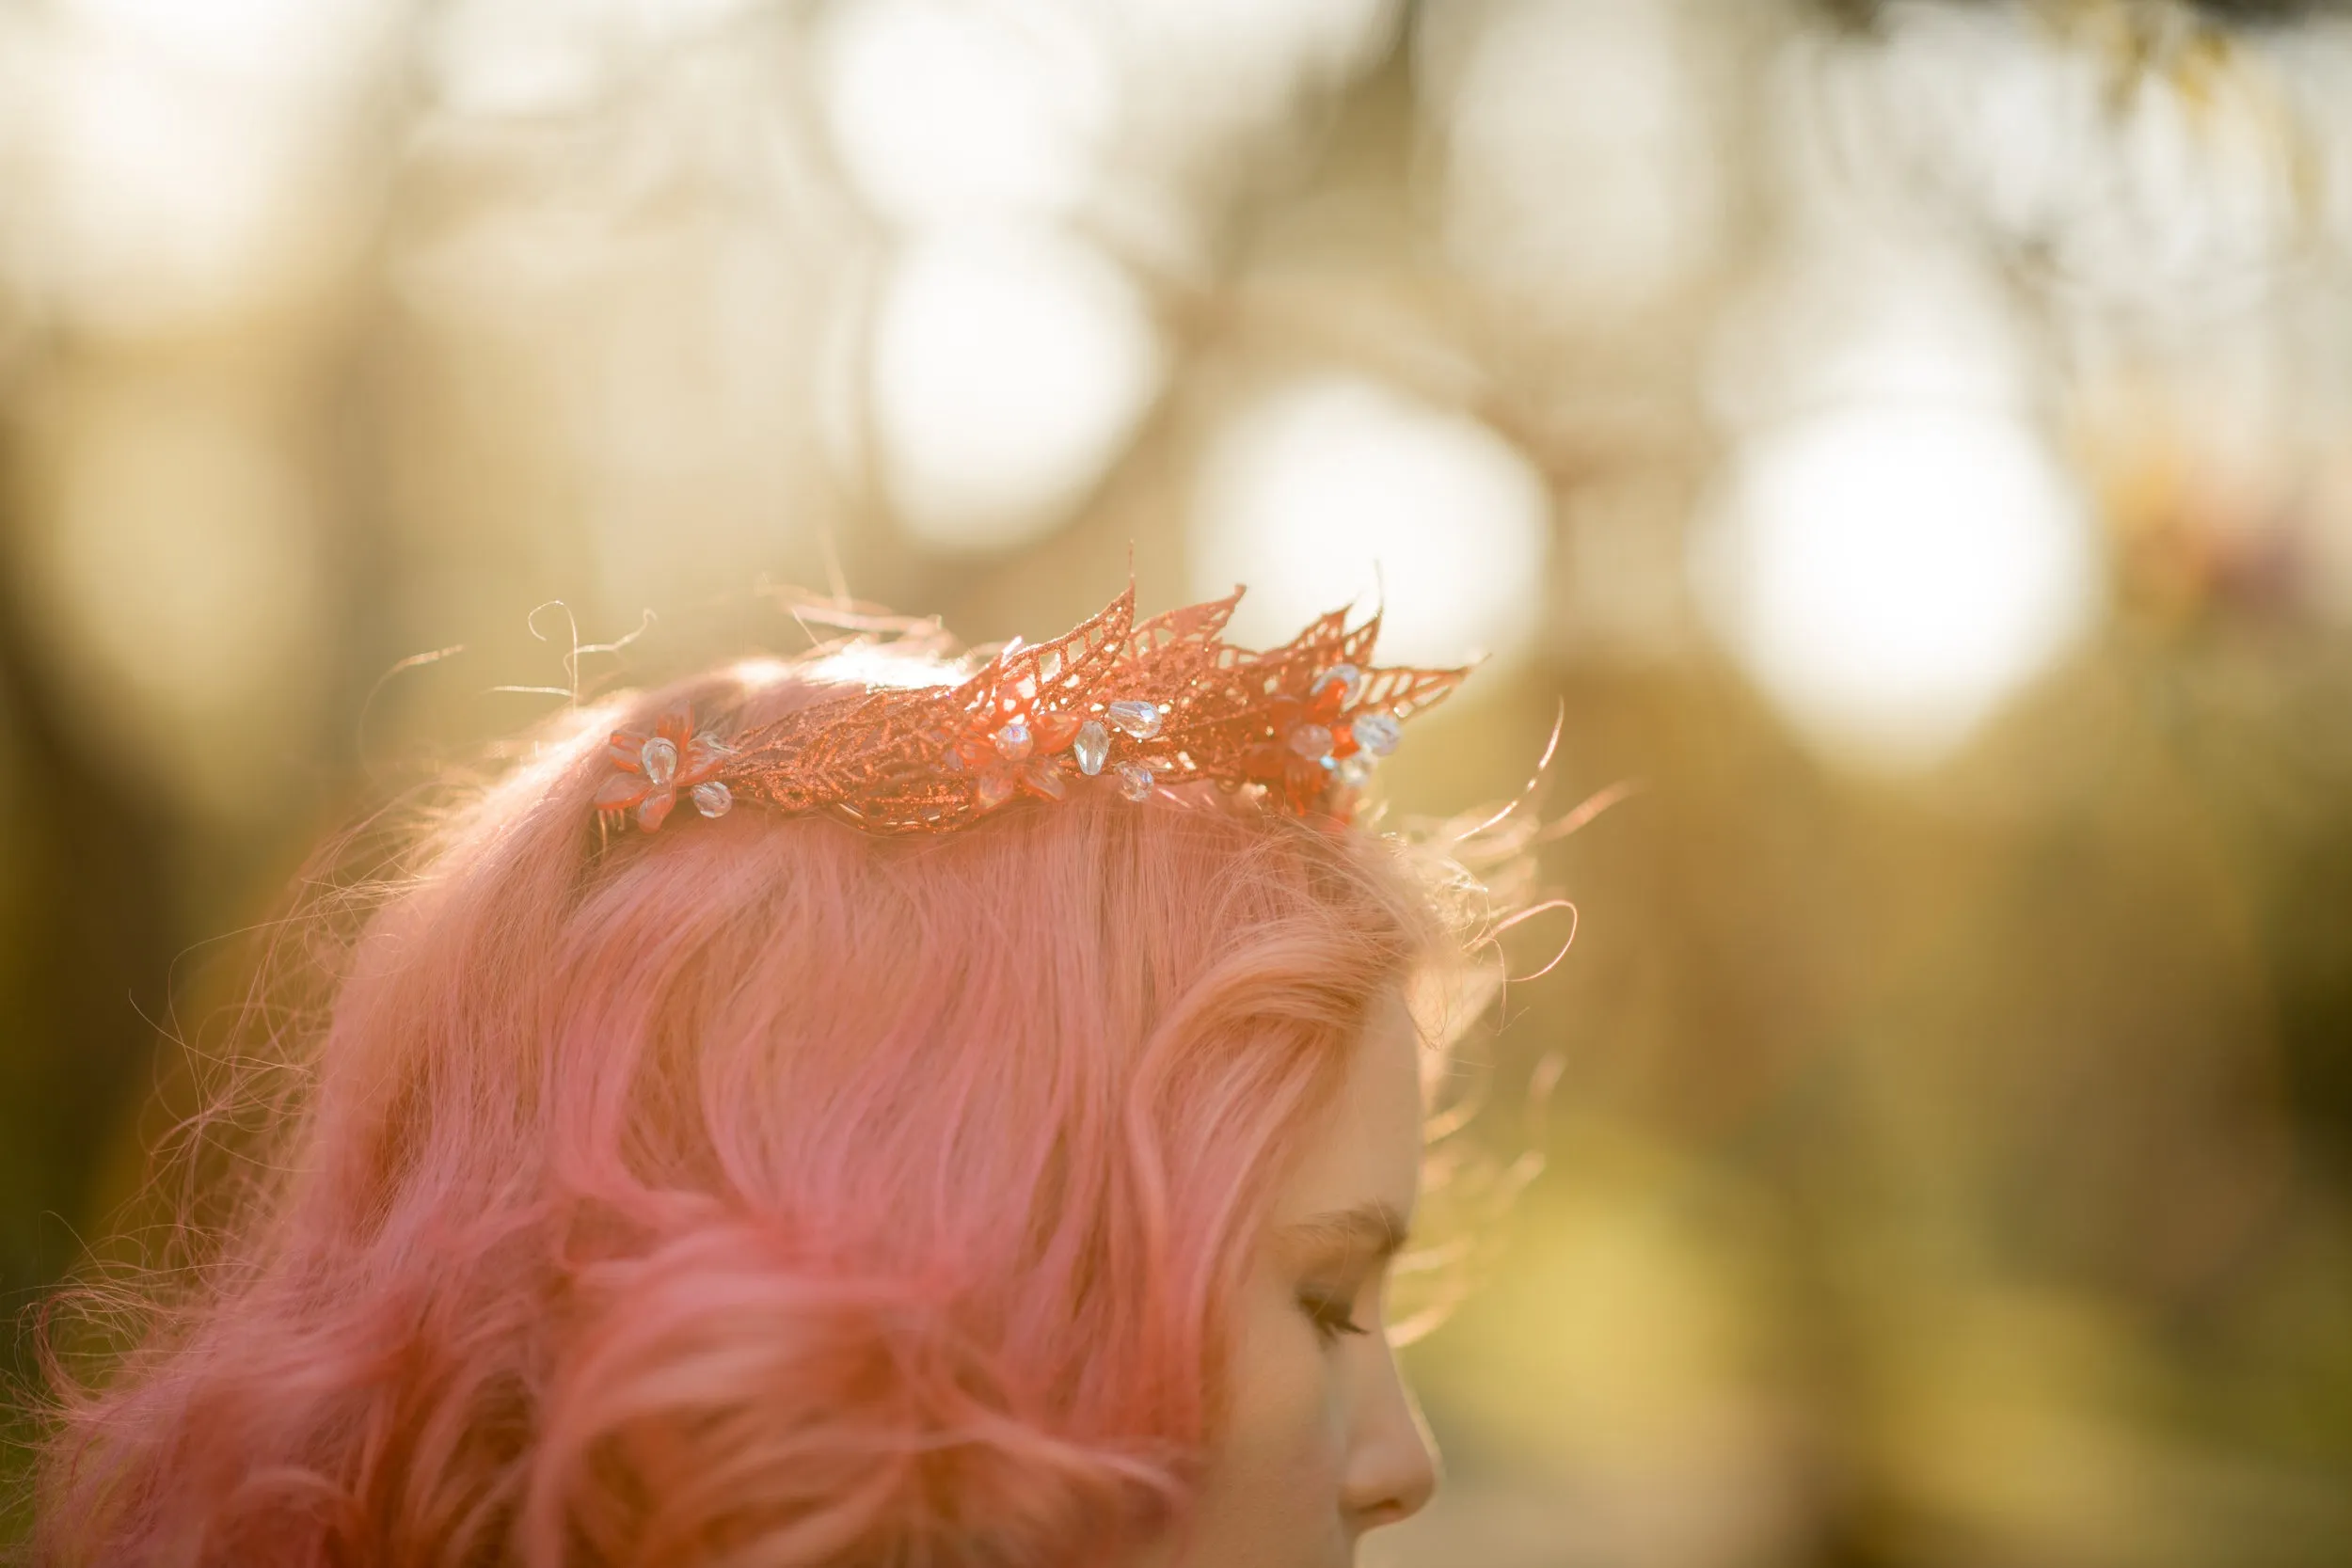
x: 1139, y: 707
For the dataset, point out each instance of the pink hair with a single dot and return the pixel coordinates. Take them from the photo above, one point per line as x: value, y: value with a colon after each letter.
x: 757, y: 1191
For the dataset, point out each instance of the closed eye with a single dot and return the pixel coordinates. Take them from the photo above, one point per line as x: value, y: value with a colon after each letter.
x: 1337, y: 1254
x: 1331, y: 1312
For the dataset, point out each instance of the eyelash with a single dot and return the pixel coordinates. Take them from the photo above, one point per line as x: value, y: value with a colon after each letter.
x: 1330, y: 1315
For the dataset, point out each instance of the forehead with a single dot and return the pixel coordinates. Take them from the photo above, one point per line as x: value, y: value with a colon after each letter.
x: 1366, y: 1146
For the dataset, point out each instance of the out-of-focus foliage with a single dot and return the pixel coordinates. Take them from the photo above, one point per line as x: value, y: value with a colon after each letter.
x: 1903, y: 439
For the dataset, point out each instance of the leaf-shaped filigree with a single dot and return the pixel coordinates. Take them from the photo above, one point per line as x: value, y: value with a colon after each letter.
x: 933, y: 759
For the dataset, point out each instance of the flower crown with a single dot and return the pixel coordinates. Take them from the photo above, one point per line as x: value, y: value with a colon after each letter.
x: 1138, y: 708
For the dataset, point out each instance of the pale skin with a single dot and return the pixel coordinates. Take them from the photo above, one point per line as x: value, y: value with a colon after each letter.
x: 1324, y: 1441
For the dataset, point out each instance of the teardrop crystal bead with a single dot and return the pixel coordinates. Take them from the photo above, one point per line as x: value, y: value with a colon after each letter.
x: 1377, y: 732
x: 1312, y: 741
x: 1092, y: 747
x: 1137, y: 716
x: 1044, y: 777
x: 658, y: 759
x: 712, y: 798
x: 1134, y: 780
x: 1013, y: 740
x: 992, y: 789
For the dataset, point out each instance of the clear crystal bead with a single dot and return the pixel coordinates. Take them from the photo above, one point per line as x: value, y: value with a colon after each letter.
x: 1349, y: 678
x: 1312, y: 741
x: 658, y: 759
x: 712, y: 798
x: 1377, y: 732
x: 992, y: 789
x: 1092, y: 747
x: 1137, y: 716
x: 1046, y: 778
x: 1013, y: 740
x: 1353, y: 772
x: 1134, y: 780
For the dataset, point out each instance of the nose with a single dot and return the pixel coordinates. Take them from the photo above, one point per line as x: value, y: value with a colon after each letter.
x: 1393, y: 1463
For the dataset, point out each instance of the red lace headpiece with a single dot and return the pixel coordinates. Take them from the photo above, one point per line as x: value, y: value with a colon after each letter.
x: 1139, y: 708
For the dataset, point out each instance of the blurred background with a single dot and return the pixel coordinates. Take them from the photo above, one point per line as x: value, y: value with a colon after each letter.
x: 1906, y: 441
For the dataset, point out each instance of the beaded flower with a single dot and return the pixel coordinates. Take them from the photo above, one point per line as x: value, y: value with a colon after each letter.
x: 651, y: 770
x: 1113, y: 704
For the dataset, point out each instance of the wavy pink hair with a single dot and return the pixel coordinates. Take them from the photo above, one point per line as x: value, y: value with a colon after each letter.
x: 755, y: 1192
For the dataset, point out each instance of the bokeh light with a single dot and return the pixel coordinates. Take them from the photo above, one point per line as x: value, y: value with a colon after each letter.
x: 1891, y: 575
x: 178, y: 177
x: 179, y: 553
x: 941, y: 112
x: 1584, y: 170
x: 1326, y: 491
x: 1008, y: 370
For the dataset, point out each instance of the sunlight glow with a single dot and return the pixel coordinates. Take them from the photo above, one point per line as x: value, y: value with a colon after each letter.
x: 269, y: 43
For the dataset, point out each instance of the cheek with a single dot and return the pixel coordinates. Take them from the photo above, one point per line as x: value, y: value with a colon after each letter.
x: 1273, y: 1490
x: 1284, y: 1412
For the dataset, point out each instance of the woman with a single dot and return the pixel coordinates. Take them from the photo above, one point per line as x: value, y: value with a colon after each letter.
x: 986, y: 1146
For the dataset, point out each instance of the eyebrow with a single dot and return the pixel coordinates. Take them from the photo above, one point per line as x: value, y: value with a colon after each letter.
x: 1375, y: 1228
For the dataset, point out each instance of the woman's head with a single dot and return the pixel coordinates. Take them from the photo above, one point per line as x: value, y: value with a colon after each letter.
x: 767, y: 1191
